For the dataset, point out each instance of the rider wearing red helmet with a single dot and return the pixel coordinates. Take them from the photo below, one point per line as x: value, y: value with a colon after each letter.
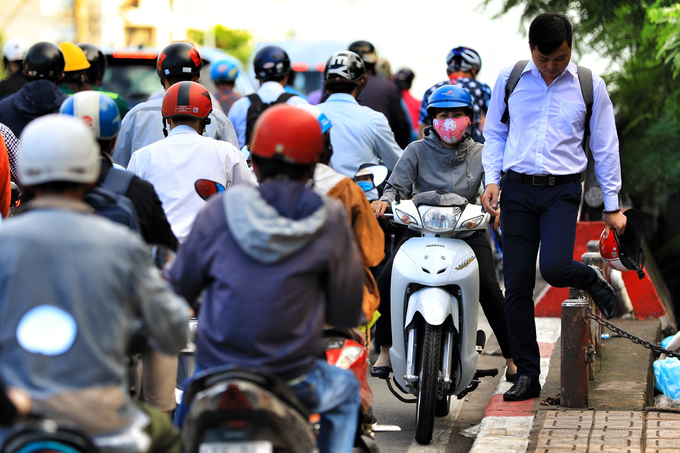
x: 177, y: 62
x: 185, y: 161
x: 278, y: 261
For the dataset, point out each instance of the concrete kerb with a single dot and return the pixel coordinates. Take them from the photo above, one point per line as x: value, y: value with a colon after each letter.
x: 623, y: 385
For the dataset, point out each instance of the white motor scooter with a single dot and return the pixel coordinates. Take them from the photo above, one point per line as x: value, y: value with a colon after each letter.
x: 435, y: 300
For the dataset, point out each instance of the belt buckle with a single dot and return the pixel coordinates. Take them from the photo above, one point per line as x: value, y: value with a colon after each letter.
x: 533, y: 181
x: 551, y: 181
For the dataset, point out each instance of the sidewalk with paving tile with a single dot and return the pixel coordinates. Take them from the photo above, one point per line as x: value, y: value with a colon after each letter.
x: 618, y: 418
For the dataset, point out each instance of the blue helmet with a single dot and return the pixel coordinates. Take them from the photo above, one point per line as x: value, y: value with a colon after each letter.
x: 97, y: 110
x: 271, y: 62
x: 449, y: 97
x: 223, y: 71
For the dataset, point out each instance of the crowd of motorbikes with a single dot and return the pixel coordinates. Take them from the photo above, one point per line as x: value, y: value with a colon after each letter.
x: 436, y: 345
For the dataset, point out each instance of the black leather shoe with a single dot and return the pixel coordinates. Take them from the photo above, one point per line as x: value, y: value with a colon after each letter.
x: 381, y: 372
x: 525, y: 388
x: 603, y: 294
x: 510, y: 377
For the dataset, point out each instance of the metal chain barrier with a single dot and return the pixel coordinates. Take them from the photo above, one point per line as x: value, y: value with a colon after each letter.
x: 644, y: 343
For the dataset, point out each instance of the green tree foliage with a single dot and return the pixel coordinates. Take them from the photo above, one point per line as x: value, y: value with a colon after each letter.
x: 642, y: 38
x: 234, y: 42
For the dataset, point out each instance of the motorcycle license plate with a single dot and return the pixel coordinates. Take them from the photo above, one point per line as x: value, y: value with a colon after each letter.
x: 237, y: 447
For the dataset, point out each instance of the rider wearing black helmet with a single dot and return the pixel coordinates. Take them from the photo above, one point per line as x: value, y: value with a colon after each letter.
x: 94, y: 75
x: 404, y: 79
x: 43, y: 66
x: 272, y: 70
x: 177, y: 62
x: 382, y: 95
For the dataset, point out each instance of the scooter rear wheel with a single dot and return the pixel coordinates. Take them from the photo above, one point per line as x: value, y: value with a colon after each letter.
x: 430, y: 365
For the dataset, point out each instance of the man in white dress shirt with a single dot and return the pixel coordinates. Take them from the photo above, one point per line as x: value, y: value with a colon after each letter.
x: 539, y: 150
x: 186, y: 168
x: 177, y: 62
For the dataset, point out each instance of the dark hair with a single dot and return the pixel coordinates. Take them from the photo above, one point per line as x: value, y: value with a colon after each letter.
x: 278, y: 79
x: 548, y: 31
x: 173, y: 79
x: 276, y: 168
x: 345, y: 88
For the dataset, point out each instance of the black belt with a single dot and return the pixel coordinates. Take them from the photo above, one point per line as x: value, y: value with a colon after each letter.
x: 543, y: 180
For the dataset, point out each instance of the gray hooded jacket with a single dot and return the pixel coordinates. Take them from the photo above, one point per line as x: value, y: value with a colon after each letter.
x: 427, y: 165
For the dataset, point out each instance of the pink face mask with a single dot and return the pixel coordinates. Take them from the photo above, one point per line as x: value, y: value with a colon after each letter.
x: 451, y: 130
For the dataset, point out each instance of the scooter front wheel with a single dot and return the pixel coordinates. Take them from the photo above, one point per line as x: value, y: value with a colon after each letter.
x: 430, y: 365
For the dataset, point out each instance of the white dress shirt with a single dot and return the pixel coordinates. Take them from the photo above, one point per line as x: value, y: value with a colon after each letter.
x: 143, y: 125
x: 268, y: 92
x: 546, y: 129
x: 174, y: 164
x: 359, y: 135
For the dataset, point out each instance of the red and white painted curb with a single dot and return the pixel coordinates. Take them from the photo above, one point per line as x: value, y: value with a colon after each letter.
x: 506, y: 426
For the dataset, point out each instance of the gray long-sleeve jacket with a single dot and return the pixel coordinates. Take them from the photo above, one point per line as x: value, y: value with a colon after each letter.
x: 94, y: 276
x: 427, y: 165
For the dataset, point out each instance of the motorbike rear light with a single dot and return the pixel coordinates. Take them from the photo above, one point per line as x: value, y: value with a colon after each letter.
x: 348, y: 356
x: 300, y: 66
x: 236, y: 424
x: 472, y: 223
x: 439, y: 219
x: 405, y: 218
x: 234, y: 398
x: 135, y: 55
x: 320, y: 66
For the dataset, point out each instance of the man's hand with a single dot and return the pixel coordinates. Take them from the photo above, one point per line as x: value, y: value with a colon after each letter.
x: 21, y: 400
x: 616, y: 220
x: 490, y: 199
x: 379, y: 207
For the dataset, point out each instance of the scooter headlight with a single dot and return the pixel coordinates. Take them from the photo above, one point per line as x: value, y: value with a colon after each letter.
x: 439, y: 219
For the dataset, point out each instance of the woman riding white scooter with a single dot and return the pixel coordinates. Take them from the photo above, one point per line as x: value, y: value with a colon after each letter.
x: 446, y: 159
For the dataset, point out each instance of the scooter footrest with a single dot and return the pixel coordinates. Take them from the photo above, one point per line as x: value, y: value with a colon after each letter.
x: 486, y: 373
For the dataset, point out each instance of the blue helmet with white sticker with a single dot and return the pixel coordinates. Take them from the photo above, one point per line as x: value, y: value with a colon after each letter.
x: 96, y: 110
x: 223, y: 71
x: 271, y: 62
x: 450, y: 97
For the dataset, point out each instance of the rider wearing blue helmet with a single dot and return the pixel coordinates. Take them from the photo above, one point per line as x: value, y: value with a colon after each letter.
x: 224, y: 74
x: 446, y: 159
x: 100, y: 114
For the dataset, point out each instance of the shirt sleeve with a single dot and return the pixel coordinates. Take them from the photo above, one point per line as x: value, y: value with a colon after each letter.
x: 12, y: 143
x: 385, y: 146
x: 226, y: 133
x: 123, y: 149
x: 165, y: 315
x: 495, y: 133
x: 604, y: 144
x: 237, y: 117
x: 238, y: 171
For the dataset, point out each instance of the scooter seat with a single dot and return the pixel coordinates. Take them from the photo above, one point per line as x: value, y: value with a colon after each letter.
x: 268, y: 381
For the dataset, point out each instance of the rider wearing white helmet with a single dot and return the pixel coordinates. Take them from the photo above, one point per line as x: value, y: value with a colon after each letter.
x: 12, y: 53
x: 72, y: 329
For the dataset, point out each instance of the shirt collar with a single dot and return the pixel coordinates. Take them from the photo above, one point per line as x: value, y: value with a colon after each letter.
x: 342, y: 97
x: 272, y: 86
x: 182, y: 129
x: 571, y: 69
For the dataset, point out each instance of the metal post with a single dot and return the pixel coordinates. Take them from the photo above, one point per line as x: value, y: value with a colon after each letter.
x: 575, y: 343
x: 595, y: 259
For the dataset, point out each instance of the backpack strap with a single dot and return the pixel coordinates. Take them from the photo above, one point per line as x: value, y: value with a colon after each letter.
x: 284, y: 97
x: 118, y: 181
x: 510, y: 85
x: 254, y: 99
x: 585, y: 79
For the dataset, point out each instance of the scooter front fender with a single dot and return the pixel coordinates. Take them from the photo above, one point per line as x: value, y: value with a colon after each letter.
x: 434, y: 304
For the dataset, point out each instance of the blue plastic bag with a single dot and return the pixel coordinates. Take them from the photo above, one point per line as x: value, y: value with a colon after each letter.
x: 665, y: 341
x: 667, y: 377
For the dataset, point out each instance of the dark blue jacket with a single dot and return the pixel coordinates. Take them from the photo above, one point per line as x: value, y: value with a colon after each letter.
x: 277, y: 262
x: 36, y: 98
